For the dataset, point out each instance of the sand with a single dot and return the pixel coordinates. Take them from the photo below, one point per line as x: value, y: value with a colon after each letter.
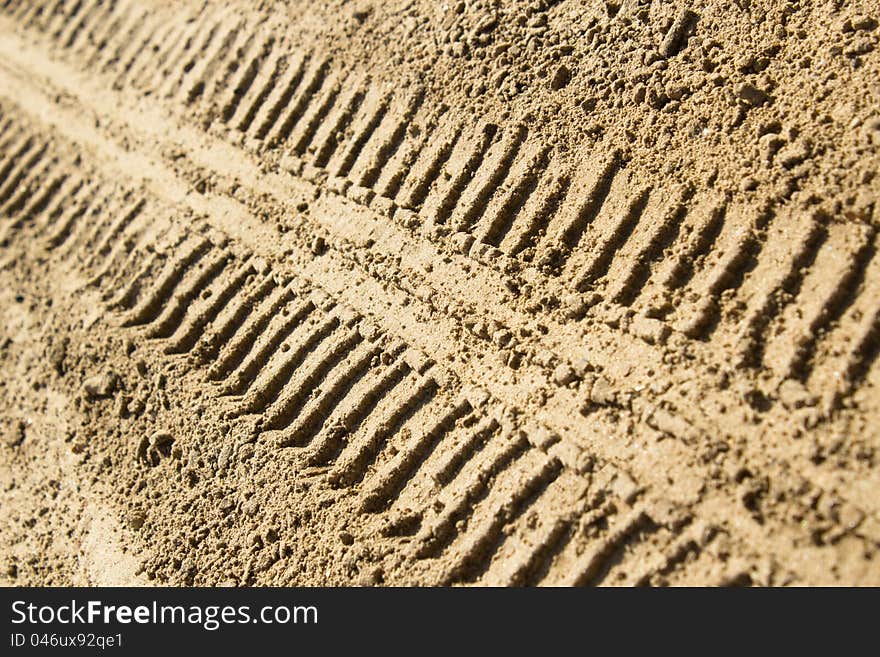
x: 420, y: 293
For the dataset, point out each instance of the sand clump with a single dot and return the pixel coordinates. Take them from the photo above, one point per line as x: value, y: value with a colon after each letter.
x: 461, y: 293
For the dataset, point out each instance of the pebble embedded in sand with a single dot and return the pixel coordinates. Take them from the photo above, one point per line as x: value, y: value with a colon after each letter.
x: 135, y: 519
x: 676, y: 36
x: 563, y: 375
x: 100, y: 386
x: 155, y: 447
x: 561, y: 77
x: 751, y: 95
x: 859, y: 23
x: 13, y: 434
x: 793, y: 394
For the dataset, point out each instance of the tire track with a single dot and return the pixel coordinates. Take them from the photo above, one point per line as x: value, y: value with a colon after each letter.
x: 591, y: 241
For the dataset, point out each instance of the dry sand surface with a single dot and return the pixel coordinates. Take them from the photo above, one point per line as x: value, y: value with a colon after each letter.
x: 410, y: 292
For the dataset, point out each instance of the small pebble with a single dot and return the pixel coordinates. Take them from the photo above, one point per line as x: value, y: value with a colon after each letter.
x: 560, y: 78
x: 100, y: 386
x: 563, y: 375
x: 751, y: 95
x: 135, y: 519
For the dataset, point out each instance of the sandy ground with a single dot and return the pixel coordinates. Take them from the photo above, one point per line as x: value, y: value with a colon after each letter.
x: 420, y: 293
